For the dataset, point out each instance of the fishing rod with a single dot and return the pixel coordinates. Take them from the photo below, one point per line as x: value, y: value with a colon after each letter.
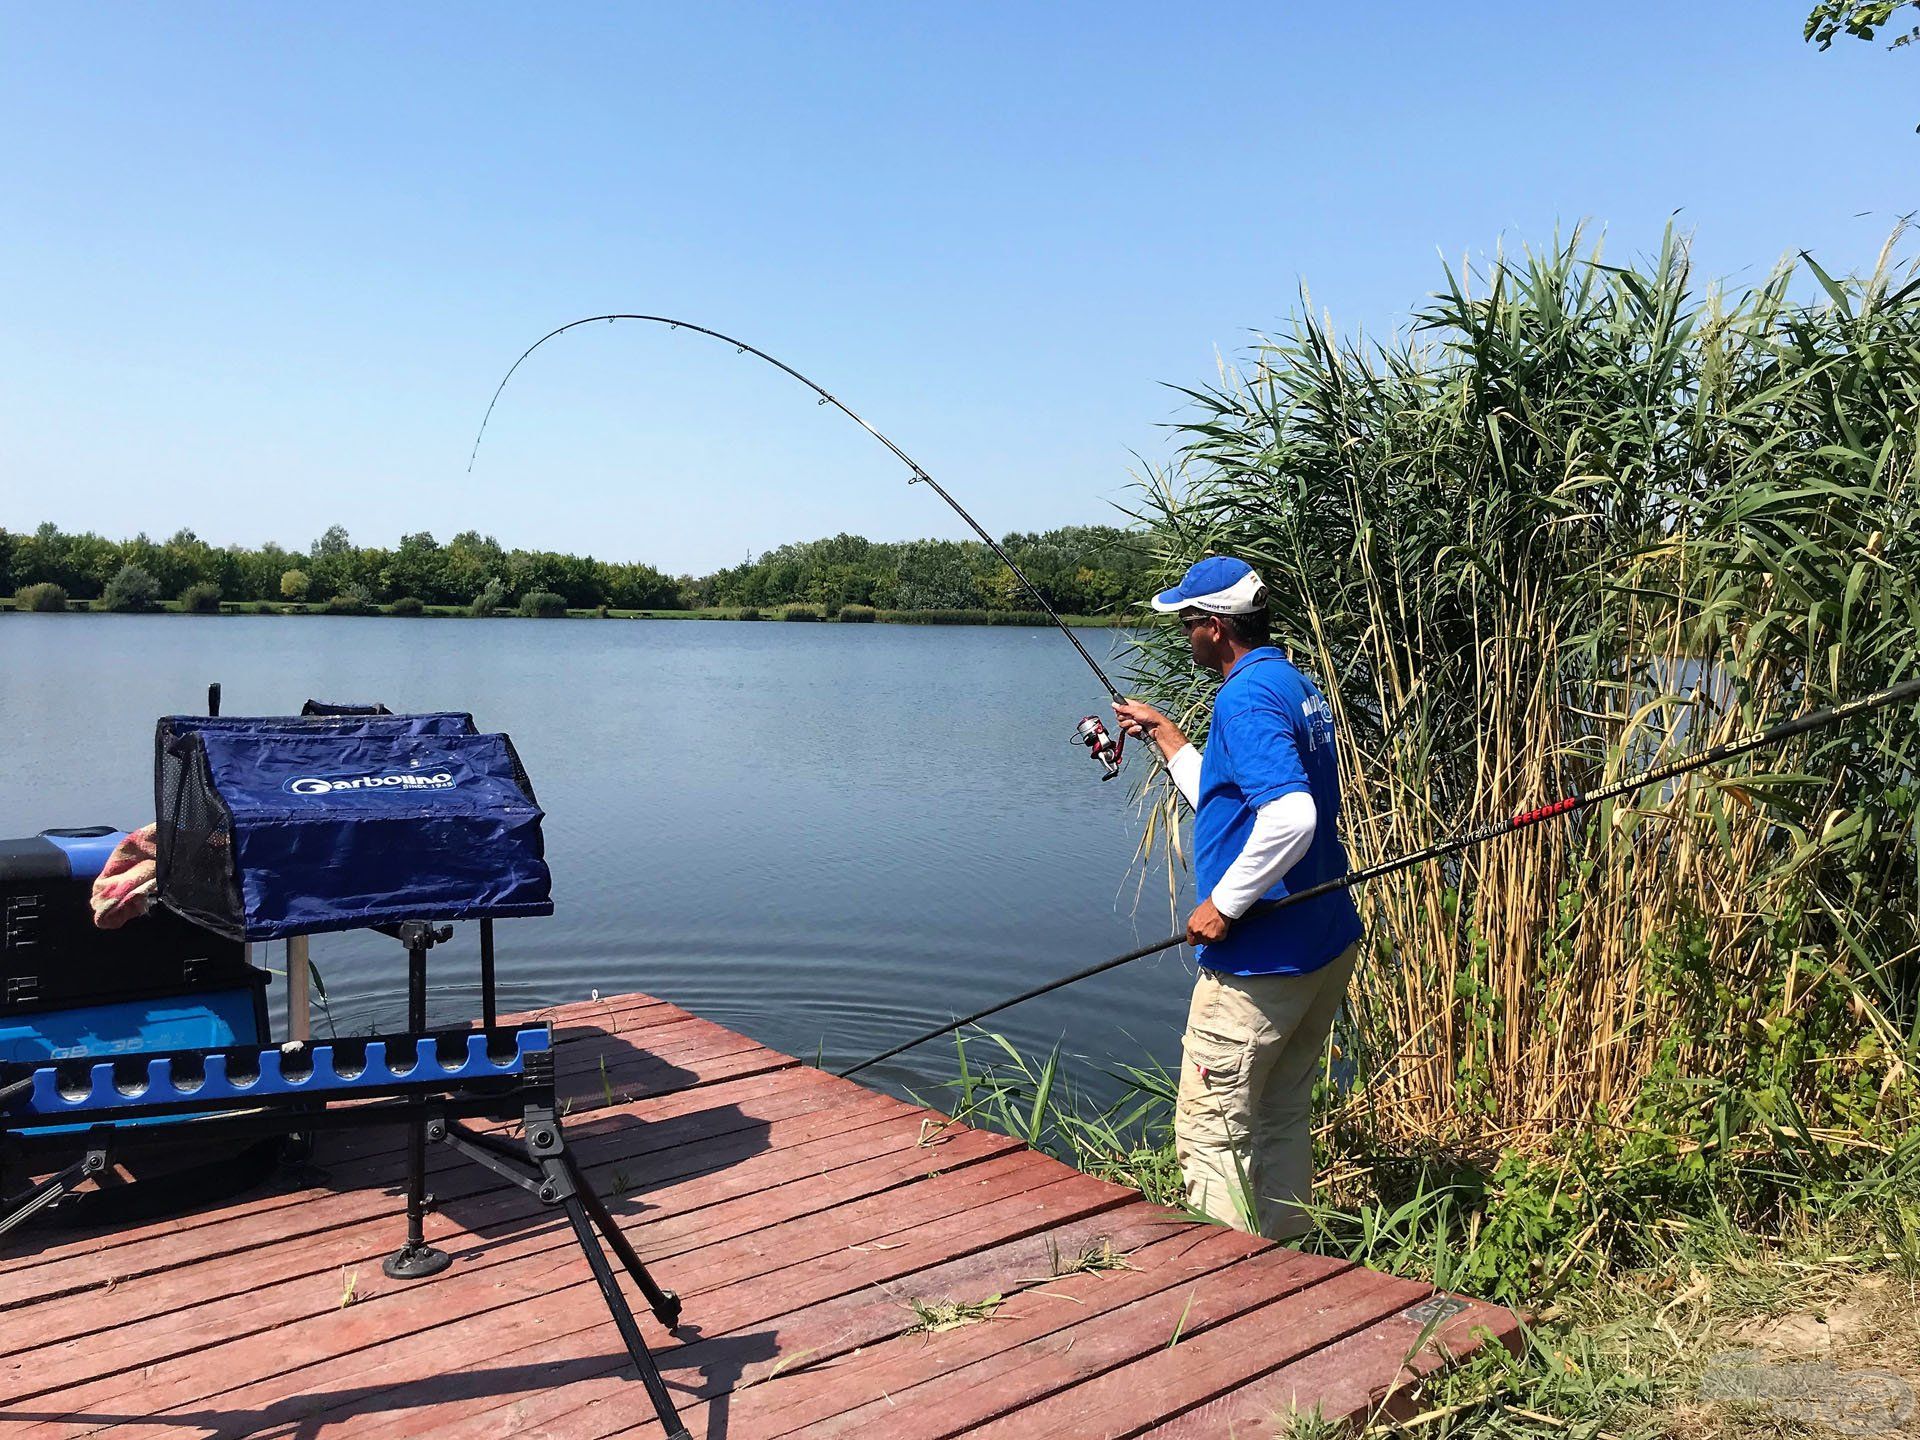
x: 1566, y: 805
x: 1091, y: 731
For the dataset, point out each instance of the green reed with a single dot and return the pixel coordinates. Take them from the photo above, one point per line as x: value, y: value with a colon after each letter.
x: 1581, y: 516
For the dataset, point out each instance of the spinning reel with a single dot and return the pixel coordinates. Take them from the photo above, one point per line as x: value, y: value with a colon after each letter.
x: 1104, y: 747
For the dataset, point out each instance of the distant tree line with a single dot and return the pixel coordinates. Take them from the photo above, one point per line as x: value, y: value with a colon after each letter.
x: 1085, y: 569
x: 1080, y: 569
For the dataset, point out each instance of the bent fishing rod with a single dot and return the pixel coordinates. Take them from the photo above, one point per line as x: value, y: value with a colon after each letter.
x: 1091, y: 731
x: 1566, y: 805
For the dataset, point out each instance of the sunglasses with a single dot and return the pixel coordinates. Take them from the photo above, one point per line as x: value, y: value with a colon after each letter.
x: 1188, y: 622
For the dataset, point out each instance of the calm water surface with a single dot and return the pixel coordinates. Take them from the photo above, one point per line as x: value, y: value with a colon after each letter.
x: 824, y: 836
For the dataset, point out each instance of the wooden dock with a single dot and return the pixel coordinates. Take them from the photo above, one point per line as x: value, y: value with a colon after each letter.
x: 799, y: 1216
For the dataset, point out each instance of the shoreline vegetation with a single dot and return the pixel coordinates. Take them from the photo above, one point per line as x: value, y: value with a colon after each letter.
x: 844, y: 615
x: 1652, y: 1076
x: 1085, y: 571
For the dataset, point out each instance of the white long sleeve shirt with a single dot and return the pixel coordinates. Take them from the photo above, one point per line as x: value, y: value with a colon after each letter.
x: 1282, y: 831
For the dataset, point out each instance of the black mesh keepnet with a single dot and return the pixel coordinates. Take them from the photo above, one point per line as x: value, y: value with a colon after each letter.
x: 519, y: 771
x: 329, y: 707
x: 194, y: 838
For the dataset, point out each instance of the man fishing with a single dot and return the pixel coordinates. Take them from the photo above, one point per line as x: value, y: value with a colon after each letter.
x: 1266, y: 801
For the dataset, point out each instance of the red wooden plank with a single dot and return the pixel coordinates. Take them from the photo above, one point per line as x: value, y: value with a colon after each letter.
x: 941, y: 1187
x: 669, y: 1041
x: 592, y: 1390
x: 746, y: 1062
x: 818, y: 1385
x: 682, y: 1181
x: 653, y: 1030
x: 639, y: 1065
x: 599, y: 1063
x: 586, y: 1116
x: 865, y: 1316
x: 417, y: 1363
x: 339, y: 1156
x: 582, y: 1060
x: 525, y: 1382
x: 684, y: 1060
x: 1227, y: 1352
x: 793, y: 1404
x: 599, y: 1014
x: 1348, y: 1379
x: 267, y: 1219
x: 583, y: 1409
x: 796, y: 1228
x: 970, y: 1397
x: 173, y: 1311
x: 683, y: 1056
x: 173, y: 1333
x: 443, y: 1323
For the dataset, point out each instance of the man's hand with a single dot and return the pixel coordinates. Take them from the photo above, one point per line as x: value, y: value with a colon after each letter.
x: 1143, y: 722
x: 1207, y: 926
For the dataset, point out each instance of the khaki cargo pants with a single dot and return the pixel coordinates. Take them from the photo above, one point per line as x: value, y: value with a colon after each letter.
x: 1254, y: 1047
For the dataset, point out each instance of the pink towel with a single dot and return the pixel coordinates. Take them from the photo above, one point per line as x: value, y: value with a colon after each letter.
x: 125, y: 886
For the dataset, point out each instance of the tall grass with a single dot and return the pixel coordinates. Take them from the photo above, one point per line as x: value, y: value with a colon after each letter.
x: 1583, y: 517
x: 1128, y: 1141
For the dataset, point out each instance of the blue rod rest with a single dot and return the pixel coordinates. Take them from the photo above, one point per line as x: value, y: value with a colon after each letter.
x: 48, y: 1102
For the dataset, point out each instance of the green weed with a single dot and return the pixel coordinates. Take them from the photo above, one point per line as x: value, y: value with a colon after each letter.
x: 1091, y: 1258
x: 931, y: 1317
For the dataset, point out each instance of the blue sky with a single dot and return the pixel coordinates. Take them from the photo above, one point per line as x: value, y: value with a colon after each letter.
x: 262, y: 265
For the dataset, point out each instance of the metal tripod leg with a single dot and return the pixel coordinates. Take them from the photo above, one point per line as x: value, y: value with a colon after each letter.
x: 623, y: 1317
x: 32, y: 1202
x: 559, y: 1177
x: 664, y: 1303
x: 561, y: 1183
x: 415, y: 1260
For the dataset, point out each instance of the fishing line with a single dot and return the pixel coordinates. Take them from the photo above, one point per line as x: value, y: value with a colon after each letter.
x: 920, y: 476
x: 1566, y: 805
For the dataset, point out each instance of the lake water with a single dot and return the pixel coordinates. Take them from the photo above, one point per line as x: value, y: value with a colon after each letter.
x: 827, y: 837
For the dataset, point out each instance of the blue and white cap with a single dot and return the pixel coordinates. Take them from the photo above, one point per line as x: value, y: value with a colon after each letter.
x: 1219, y: 584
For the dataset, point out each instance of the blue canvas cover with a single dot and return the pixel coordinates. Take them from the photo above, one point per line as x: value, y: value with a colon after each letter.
x: 430, y: 722
x: 341, y: 831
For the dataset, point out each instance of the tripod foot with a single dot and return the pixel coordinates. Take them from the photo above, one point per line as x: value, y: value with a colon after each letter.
x: 415, y: 1262
x: 667, y: 1312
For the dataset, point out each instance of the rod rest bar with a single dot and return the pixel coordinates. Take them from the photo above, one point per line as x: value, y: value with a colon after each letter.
x: 237, y: 1076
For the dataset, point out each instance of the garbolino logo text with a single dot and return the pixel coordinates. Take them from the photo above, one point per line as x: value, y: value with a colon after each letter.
x: 408, y: 781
